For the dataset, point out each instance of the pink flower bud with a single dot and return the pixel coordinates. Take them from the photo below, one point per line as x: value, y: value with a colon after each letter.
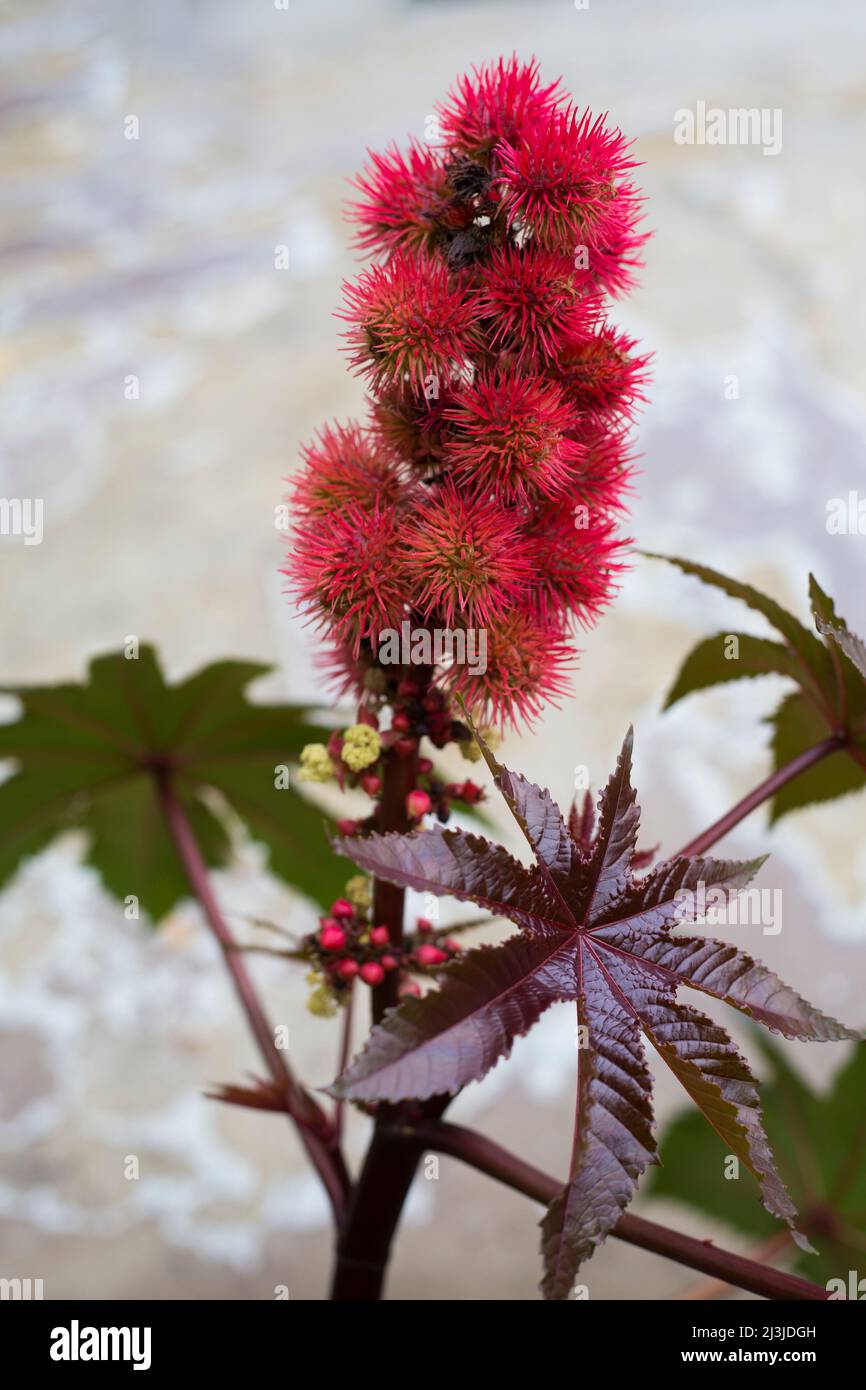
x: 332, y: 938
x: 418, y: 803
x: 372, y: 973
x: 427, y: 954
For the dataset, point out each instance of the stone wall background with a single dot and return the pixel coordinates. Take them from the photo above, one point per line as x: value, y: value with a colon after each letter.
x: 156, y: 257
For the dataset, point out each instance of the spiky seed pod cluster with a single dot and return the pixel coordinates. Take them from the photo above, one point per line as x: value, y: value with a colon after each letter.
x: 483, y: 491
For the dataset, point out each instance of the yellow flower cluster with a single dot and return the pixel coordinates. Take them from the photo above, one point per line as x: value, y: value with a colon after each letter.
x: 316, y: 765
x: 361, y: 747
x: 321, y: 1001
x: 358, y: 891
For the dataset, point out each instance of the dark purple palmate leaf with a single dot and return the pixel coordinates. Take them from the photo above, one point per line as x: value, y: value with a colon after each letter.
x: 593, y: 933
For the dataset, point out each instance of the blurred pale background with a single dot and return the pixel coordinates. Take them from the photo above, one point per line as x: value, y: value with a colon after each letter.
x: 155, y: 257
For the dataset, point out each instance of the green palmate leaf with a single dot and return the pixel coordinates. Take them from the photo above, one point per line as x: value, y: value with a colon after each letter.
x: 87, y: 756
x: 129, y: 846
x: 797, y: 726
x: 803, y: 644
x: 831, y: 676
x: 593, y: 933
x: 731, y: 656
x: 820, y: 1147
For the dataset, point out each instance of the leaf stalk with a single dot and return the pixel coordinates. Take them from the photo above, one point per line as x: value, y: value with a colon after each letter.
x: 315, y: 1130
x: 489, y: 1157
x: 763, y: 792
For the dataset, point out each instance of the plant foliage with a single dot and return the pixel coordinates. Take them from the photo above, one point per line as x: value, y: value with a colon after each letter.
x: 593, y: 932
x: 830, y: 676
x: 90, y: 756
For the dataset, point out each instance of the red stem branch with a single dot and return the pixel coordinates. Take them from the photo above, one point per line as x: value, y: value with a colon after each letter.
x: 345, y: 1053
x: 490, y: 1158
x: 399, y: 776
x: 364, y: 1247
x: 762, y: 793
x: 316, y: 1132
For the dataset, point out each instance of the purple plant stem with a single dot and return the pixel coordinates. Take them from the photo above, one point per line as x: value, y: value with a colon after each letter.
x: 314, y: 1129
x: 364, y: 1245
x: 490, y: 1158
x: 766, y: 789
x: 345, y: 1053
x: 400, y: 772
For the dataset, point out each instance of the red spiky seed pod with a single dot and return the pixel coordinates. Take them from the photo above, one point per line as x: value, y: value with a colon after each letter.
x: 466, y: 556
x: 404, y: 199
x: 601, y: 371
x: 528, y: 663
x: 347, y: 969
x: 577, y: 554
x: 531, y: 300
x: 341, y: 907
x: 512, y: 439
x: 380, y: 936
x: 343, y: 468
x: 345, y: 569
x: 562, y: 182
x: 494, y: 103
x: 411, y: 323
x: 413, y: 429
x: 603, y: 476
x: 613, y: 263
